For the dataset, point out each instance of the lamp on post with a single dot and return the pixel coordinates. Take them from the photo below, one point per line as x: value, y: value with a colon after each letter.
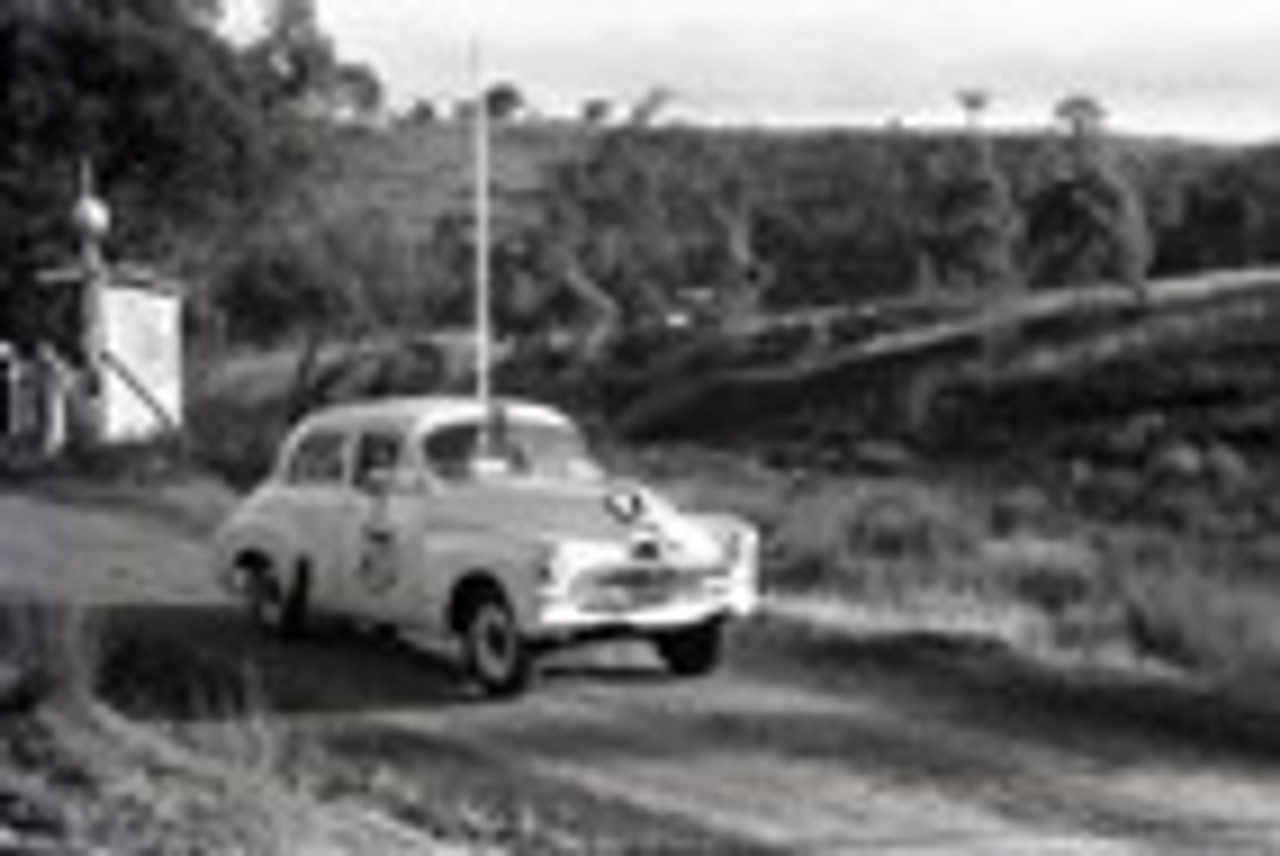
x: 91, y: 219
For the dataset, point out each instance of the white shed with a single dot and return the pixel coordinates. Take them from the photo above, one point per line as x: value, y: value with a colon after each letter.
x: 142, y: 393
x: 138, y: 345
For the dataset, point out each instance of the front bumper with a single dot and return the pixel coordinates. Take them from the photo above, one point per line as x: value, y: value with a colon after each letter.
x: 669, y: 600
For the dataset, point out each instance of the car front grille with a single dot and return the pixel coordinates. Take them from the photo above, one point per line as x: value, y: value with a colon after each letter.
x: 640, y: 586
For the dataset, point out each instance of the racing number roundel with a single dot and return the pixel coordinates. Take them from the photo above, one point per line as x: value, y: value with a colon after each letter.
x: 377, y: 569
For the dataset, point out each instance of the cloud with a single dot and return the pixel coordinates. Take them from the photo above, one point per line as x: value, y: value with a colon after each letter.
x: 866, y: 58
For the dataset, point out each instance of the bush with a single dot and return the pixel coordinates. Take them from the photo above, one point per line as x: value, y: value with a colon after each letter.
x: 873, y: 538
x: 1193, y: 612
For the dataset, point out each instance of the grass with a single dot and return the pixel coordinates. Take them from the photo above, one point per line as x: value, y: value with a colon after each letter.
x: 51, y: 651
x: 942, y: 550
x: 77, y: 777
x: 1211, y: 610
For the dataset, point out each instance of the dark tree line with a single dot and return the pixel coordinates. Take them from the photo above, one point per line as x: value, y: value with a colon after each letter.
x: 195, y: 142
x: 643, y: 219
x: 190, y: 138
x: 171, y: 118
x: 860, y: 216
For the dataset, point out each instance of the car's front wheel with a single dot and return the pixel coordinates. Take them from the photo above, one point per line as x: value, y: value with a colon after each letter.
x: 272, y: 604
x: 497, y: 655
x: 692, y: 651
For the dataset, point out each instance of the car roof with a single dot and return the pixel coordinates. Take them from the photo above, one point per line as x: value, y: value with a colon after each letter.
x: 423, y: 412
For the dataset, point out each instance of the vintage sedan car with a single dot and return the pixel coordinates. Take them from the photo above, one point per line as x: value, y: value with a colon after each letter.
x: 493, y: 525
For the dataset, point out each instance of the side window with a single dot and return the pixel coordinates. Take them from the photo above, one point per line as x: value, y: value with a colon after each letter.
x: 449, y: 450
x: 317, y: 459
x: 377, y: 451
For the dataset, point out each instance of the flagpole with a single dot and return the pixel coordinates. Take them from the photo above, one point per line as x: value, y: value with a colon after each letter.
x: 481, y: 166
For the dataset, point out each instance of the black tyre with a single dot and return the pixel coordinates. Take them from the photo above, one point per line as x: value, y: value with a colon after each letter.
x: 497, y: 655
x: 273, y: 605
x: 694, y: 651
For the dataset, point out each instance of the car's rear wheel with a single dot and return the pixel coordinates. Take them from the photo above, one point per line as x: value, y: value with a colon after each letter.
x: 273, y: 605
x: 693, y: 651
x: 497, y: 655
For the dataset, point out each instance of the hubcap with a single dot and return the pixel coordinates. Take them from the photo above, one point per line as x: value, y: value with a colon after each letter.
x: 265, y: 600
x: 493, y: 642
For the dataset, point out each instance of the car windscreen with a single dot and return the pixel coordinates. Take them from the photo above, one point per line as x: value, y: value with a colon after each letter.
x: 519, y: 447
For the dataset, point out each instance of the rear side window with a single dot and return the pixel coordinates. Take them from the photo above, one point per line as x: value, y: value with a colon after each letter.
x: 317, y: 459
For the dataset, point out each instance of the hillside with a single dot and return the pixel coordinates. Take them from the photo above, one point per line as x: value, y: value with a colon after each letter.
x: 830, y: 216
x: 371, y: 228
x: 412, y: 175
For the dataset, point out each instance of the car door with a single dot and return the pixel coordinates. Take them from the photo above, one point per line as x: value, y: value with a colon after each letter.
x: 380, y: 570
x: 316, y: 502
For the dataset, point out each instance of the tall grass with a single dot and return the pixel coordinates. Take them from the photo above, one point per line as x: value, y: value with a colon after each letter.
x: 52, y: 651
x: 928, y: 553
x: 238, y: 763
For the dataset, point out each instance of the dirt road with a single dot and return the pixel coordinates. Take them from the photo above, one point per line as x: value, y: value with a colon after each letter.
x: 811, y: 742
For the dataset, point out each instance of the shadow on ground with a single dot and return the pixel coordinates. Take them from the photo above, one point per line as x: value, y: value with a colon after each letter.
x: 199, y: 662
x: 1107, y: 715
x: 168, y: 661
x: 972, y: 718
x: 202, y: 662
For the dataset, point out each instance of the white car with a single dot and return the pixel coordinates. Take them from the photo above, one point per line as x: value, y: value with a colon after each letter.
x: 491, y: 524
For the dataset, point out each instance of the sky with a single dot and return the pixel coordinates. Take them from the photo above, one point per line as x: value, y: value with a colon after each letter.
x: 1184, y: 67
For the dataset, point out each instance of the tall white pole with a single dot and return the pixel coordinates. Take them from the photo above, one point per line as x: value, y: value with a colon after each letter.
x: 92, y: 220
x: 483, y: 237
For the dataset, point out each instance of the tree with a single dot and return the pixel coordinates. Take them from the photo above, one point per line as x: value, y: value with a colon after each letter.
x: 301, y: 68
x: 975, y: 224
x: 636, y: 222
x: 650, y: 106
x: 296, y: 62
x: 357, y: 90
x: 422, y: 112
x: 596, y: 111
x: 974, y: 102
x: 504, y: 101
x: 1222, y: 220
x: 1083, y: 115
x: 108, y: 82
x: 1089, y: 225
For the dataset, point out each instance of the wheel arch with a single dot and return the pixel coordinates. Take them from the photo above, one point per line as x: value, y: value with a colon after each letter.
x: 467, y: 564
x: 260, y: 549
x: 469, y: 588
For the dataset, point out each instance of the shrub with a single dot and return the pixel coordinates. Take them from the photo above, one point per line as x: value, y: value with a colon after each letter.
x: 1193, y: 612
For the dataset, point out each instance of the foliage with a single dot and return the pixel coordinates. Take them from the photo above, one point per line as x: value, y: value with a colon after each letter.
x: 338, y: 274
x: 844, y: 221
x: 1230, y: 214
x: 1088, y: 224
x: 972, y: 226
x: 596, y: 110
x: 504, y: 101
x: 298, y: 67
x: 602, y: 226
x: 644, y: 218
x: 143, y: 91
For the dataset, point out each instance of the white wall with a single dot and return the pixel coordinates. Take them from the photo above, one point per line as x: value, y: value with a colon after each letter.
x: 142, y: 330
